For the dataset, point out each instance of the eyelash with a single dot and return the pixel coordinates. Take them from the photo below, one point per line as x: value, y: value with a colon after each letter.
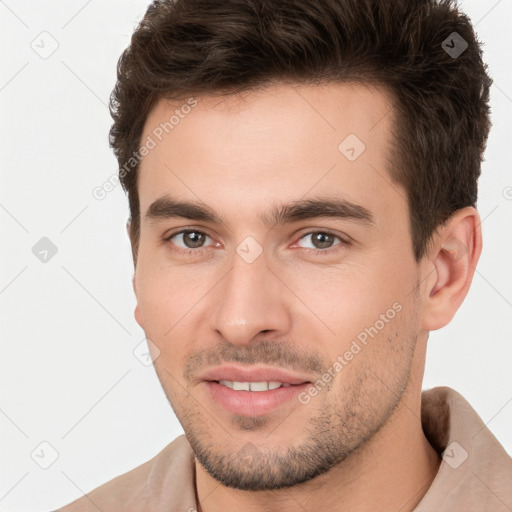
x: 314, y: 252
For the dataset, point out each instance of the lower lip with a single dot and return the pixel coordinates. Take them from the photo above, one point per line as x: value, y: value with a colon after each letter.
x: 253, y: 403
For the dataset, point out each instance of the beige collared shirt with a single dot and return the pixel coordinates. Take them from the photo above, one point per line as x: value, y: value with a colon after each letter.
x: 475, y: 473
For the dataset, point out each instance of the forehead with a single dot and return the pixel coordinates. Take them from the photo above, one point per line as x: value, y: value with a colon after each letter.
x: 269, y: 146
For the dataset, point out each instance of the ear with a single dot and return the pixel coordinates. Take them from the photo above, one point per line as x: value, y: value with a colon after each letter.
x: 137, y: 312
x: 130, y: 236
x: 449, y: 267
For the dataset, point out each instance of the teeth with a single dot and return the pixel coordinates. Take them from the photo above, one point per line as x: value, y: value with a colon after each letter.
x: 253, y: 386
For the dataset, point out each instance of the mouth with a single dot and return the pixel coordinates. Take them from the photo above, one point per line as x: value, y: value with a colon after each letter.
x: 254, y: 398
x: 258, y: 386
x: 261, y: 378
x: 253, y: 390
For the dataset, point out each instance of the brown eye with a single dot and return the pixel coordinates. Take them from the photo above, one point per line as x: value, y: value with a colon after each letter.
x: 190, y: 239
x: 321, y: 239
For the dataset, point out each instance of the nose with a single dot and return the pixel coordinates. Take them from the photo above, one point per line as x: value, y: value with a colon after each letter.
x: 249, y: 300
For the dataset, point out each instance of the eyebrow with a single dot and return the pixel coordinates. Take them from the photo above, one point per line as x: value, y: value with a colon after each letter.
x: 326, y: 207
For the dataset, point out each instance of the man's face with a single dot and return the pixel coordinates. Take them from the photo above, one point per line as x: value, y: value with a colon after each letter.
x: 312, y: 296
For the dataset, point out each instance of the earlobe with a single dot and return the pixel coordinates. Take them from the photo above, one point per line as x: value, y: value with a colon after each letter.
x: 452, y: 261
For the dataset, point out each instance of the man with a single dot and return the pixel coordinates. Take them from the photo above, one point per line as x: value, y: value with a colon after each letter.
x: 302, y: 180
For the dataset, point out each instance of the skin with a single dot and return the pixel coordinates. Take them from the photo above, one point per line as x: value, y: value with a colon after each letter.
x: 358, y: 444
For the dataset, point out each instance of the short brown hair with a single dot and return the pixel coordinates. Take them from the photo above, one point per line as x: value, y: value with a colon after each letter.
x: 416, y: 49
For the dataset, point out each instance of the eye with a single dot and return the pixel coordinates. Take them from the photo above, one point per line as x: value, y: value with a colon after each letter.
x: 322, y: 242
x: 192, y: 242
x: 188, y: 241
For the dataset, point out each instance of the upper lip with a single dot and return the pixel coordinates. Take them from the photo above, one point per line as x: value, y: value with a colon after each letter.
x: 253, y: 374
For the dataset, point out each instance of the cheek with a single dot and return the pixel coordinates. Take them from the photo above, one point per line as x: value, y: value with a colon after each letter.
x: 378, y: 358
x: 160, y: 303
x: 349, y: 298
x: 165, y: 292
x: 168, y: 301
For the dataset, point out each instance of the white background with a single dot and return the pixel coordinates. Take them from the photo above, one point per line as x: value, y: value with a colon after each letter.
x: 68, y: 373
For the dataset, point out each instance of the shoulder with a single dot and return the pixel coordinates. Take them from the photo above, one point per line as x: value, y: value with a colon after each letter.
x: 475, y: 471
x: 131, y: 488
